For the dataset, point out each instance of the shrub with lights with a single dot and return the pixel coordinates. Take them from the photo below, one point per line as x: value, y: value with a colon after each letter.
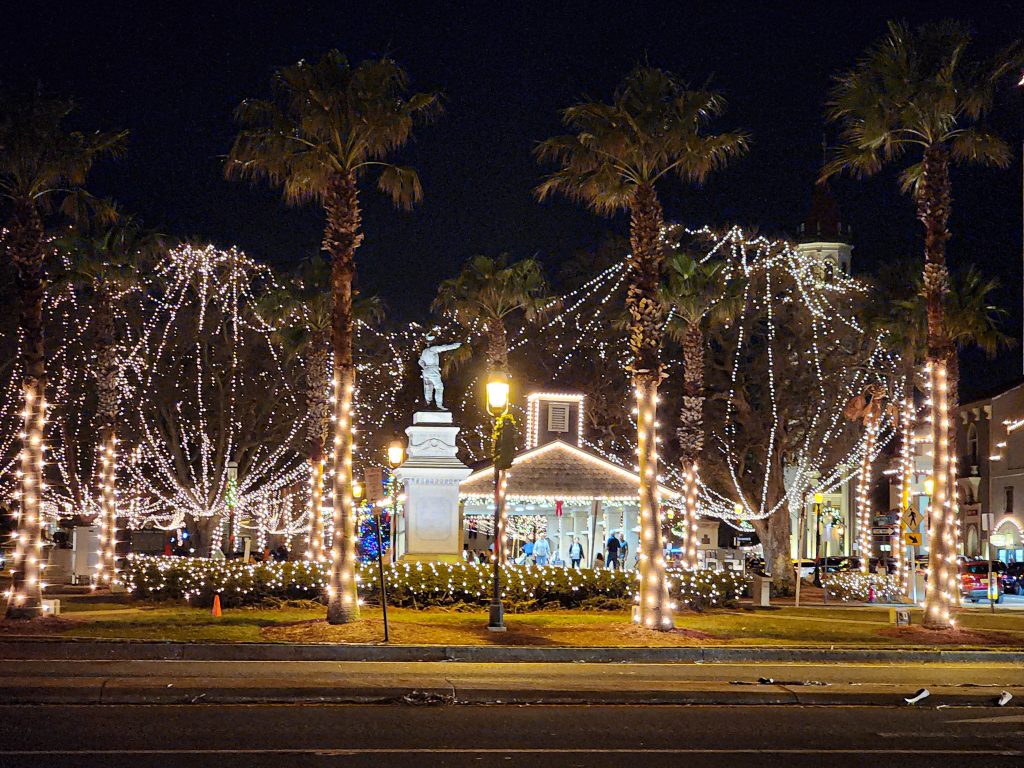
x: 855, y: 586
x: 413, y: 585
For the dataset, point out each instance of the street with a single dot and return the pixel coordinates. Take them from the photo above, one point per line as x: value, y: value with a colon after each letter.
x: 536, y: 736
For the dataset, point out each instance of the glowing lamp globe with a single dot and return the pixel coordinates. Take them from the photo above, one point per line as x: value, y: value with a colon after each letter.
x: 738, y: 509
x: 819, y: 498
x: 357, y: 490
x: 929, y: 486
x: 497, y: 393
x: 396, y: 453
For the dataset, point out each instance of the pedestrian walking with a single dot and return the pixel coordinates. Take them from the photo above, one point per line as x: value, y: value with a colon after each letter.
x: 542, y: 551
x: 575, y: 552
x: 612, y: 546
x: 623, y: 551
x: 527, y: 551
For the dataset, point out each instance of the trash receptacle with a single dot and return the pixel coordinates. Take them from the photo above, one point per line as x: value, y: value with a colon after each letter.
x: 760, y: 590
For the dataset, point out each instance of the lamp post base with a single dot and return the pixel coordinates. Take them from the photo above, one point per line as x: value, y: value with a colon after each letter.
x: 496, y: 622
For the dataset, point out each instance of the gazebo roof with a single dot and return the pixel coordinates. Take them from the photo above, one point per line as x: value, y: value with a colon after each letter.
x: 559, y: 470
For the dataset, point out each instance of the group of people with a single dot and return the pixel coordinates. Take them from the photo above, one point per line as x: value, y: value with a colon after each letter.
x: 539, y: 551
x: 618, y: 552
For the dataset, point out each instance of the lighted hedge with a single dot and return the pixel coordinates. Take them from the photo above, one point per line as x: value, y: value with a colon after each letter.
x: 411, y: 584
x: 856, y: 586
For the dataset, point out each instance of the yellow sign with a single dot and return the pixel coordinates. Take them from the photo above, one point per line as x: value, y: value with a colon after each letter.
x: 912, y: 539
x: 911, y: 519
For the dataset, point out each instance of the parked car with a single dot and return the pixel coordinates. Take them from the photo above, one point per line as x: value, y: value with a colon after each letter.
x: 1013, y: 579
x: 974, y: 581
x: 755, y: 565
x: 838, y: 563
x: 806, y: 568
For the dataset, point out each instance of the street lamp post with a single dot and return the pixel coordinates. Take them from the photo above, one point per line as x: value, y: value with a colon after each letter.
x: 818, y: 499
x: 829, y: 517
x: 497, y: 407
x: 357, y: 494
x: 396, y: 456
x: 802, y: 523
x: 232, y: 502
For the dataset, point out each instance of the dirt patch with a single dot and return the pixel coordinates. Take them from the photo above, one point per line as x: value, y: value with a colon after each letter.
x: 44, y: 625
x: 473, y: 631
x: 956, y: 636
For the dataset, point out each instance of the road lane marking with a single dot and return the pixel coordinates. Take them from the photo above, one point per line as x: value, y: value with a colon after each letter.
x: 498, y: 751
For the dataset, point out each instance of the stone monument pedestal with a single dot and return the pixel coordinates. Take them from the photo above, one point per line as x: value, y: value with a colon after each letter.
x: 430, y: 477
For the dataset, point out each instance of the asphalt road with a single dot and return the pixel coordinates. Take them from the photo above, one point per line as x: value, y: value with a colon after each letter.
x: 283, y: 736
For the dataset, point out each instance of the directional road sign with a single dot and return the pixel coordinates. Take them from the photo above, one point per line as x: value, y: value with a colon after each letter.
x: 912, y: 539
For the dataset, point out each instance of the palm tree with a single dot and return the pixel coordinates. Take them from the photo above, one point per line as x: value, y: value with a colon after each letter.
x: 918, y: 95
x: 43, y: 166
x: 327, y: 127
x: 697, y: 297
x: 899, y: 310
x: 487, y: 292
x: 106, y: 261
x: 303, y: 309
x: 655, y: 127
x: 971, y: 320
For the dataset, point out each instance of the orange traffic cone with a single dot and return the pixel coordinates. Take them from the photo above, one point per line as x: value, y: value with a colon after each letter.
x: 216, y: 605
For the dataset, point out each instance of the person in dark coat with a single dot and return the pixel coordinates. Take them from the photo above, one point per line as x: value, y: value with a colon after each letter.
x: 612, y: 563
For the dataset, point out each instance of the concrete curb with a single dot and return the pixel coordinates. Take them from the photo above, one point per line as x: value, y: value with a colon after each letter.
x: 143, y: 650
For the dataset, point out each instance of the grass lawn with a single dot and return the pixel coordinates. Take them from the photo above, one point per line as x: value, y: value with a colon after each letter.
x: 784, y: 626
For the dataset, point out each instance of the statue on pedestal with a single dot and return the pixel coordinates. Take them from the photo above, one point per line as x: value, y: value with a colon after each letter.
x: 430, y: 362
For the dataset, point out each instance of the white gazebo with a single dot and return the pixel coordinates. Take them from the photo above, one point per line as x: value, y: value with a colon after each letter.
x: 576, y: 491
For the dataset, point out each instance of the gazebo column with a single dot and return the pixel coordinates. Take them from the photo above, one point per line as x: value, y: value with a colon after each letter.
x: 553, y: 531
x: 595, y: 510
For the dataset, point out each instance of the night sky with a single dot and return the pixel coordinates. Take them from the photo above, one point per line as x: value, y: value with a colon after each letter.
x: 173, y: 72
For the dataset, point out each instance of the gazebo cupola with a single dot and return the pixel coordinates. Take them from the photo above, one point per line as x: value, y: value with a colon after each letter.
x: 554, y: 416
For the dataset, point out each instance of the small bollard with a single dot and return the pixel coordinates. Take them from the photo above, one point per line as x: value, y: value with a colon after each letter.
x: 760, y: 590
x: 50, y: 607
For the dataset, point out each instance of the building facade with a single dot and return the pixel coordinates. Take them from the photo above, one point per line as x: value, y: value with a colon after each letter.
x: 990, y: 481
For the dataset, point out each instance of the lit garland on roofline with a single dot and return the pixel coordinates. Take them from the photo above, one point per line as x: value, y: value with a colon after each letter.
x: 411, y: 584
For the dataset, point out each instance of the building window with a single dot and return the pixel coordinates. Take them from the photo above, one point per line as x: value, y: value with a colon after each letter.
x: 972, y: 445
x: 973, y: 546
x: 558, y: 417
x: 1009, y: 500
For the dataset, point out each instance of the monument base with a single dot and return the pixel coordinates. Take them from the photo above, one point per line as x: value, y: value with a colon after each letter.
x: 430, y: 477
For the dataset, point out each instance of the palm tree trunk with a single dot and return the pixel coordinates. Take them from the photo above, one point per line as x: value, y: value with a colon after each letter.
x: 107, y: 374
x: 497, y: 346
x: 933, y: 203
x: 24, y: 245
x: 341, y: 238
x: 864, y: 516
x: 691, y: 435
x: 646, y: 320
x: 905, y: 567
x: 319, y: 414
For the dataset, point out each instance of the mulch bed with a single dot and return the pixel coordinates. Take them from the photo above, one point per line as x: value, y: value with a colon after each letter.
x: 956, y: 636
